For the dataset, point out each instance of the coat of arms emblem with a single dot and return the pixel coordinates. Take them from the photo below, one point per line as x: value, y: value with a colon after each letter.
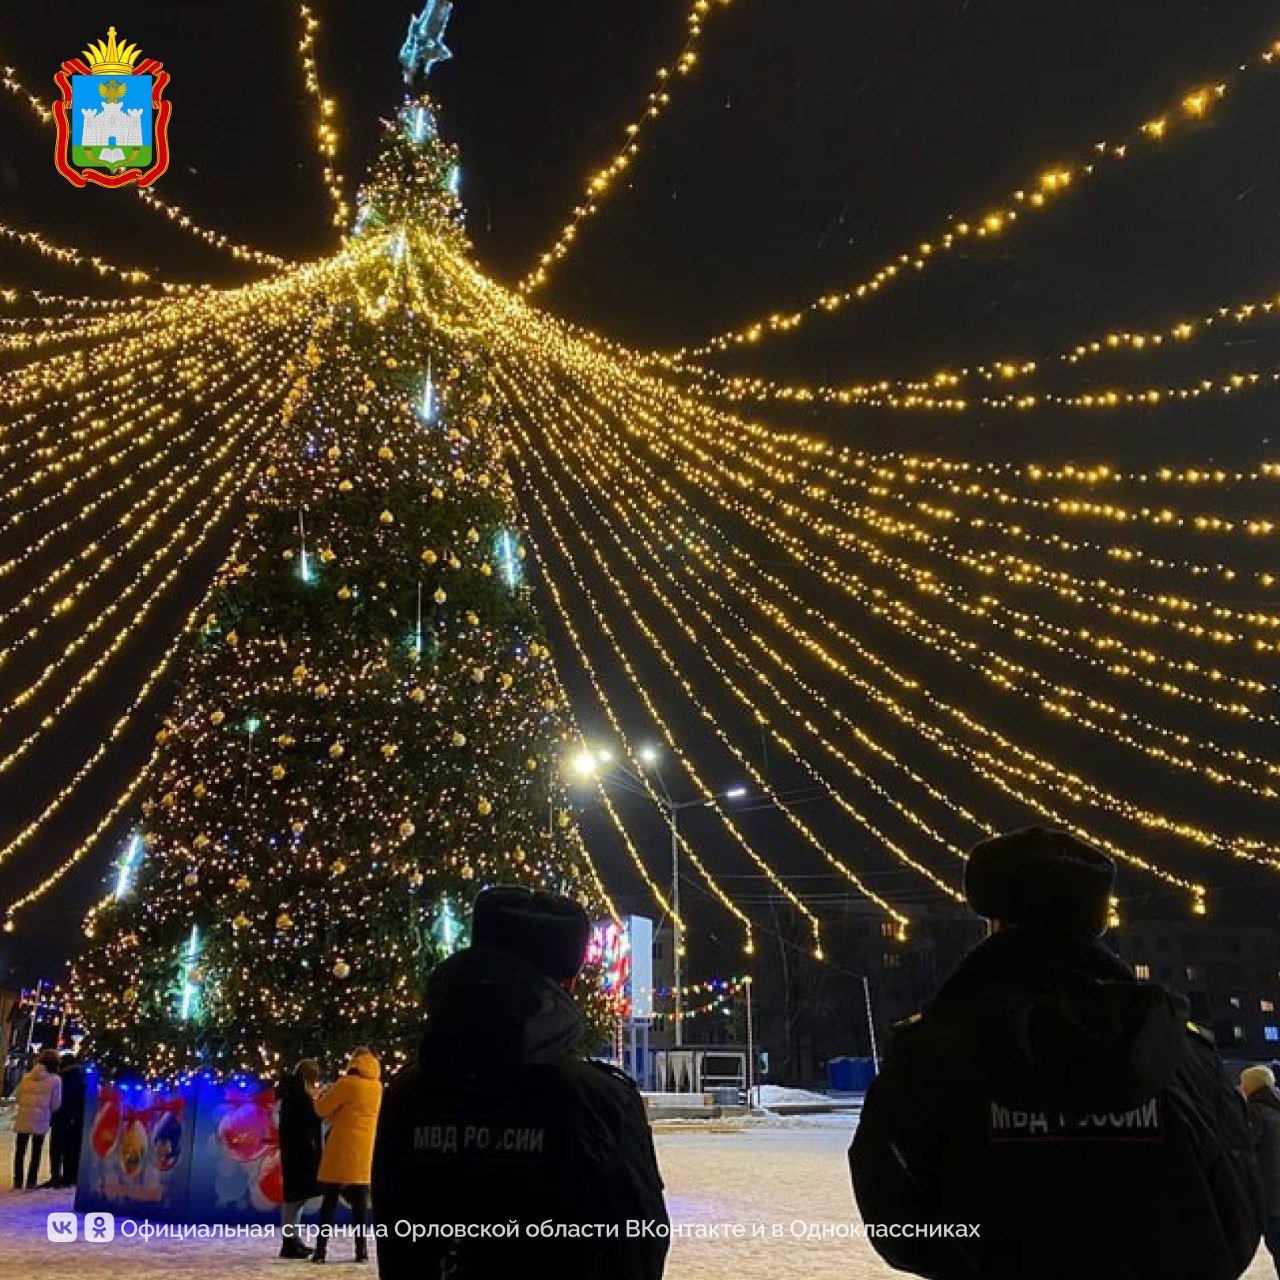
x: 112, y: 120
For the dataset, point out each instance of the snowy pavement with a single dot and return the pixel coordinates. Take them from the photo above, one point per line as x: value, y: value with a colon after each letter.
x: 771, y: 1172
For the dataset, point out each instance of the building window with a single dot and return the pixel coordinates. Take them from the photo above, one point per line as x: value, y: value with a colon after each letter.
x: 888, y: 929
x: 1235, y: 1002
x: 1238, y: 1032
x: 1193, y: 973
x: 1271, y: 1034
x: 1143, y: 971
x: 1267, y: 1006
x: 891, y: 960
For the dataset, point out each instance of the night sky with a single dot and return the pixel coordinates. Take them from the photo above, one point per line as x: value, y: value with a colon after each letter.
x: 817, y: 138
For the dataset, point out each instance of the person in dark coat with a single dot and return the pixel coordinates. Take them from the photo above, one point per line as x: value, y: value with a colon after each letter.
x: 1057, y: 1116
x: 300, y: 1144
x: 502, y: 1123
x: 1258, y: 1084
x: 67, y: 1127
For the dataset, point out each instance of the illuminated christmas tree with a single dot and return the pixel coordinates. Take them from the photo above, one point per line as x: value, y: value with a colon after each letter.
x: 370, y: 728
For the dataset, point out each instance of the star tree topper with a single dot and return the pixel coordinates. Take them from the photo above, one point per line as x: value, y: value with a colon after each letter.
x: 424, y: 46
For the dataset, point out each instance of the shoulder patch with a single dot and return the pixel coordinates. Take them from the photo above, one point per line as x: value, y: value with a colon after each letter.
x: 1202, y: 1034
x: 616, y: 1072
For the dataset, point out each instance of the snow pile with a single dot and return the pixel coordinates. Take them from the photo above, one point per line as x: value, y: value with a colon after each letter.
x: 774, y: 1095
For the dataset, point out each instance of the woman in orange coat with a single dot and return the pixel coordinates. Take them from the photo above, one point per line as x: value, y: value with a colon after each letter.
x: 351, y: 1106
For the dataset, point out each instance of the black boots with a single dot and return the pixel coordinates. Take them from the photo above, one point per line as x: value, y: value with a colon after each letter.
x: 294, y: 1248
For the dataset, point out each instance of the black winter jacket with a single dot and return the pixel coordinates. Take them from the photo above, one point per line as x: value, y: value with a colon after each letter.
x: 300, y: 1139
x: 499, y: 1123
x: 1070, y: 1113
x: 1264, y: 1114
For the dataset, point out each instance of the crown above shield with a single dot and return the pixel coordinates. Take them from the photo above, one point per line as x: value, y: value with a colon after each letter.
x: 111, y: 59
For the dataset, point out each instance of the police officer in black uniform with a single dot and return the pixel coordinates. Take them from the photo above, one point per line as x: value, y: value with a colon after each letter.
x: 502, y: 1147
x: 1051, y: 1101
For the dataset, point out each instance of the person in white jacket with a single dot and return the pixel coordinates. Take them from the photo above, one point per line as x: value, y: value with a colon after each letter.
x: 39, y: 1095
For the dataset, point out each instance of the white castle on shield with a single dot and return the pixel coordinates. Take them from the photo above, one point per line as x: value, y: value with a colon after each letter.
x: 112, y: 121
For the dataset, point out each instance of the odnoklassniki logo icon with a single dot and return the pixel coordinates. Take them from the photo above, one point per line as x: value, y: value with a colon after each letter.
x: 113, y: 122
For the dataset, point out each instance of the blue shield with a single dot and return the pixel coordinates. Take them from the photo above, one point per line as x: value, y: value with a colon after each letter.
x: 112, y: 122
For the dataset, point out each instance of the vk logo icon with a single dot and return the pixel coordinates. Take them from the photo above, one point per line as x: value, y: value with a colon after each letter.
x: 61, y: 1227
x: 99, y: 1227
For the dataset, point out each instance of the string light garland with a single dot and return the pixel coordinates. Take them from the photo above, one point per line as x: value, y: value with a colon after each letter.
x: 603, y: 180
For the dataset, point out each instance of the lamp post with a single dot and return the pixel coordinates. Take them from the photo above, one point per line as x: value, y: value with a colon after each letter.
x: 602, y: 766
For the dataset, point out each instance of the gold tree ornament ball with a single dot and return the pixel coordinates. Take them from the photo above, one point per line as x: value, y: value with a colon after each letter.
x: 286, y: 740
x: 233, y: 639
x: 284, y: 921
x: 459, y: 739
x: 338, y: 867
x: 478, y: 674
x: 484, y: 480
x: 299, y: 673
x: 278, y: 772
x: 437, y: 493
x: 345, y: 486
x: 392, y: 362
x: 243, y: 883
x: 218, y: 717
x: 429, y: 557
x: 337, y: 751
x: 441, y: 595
x: 334, y: 453
x: 506, y: 680
x: 563, y: 819
x: 130, y: 993
x: 484, y: 807
x: 327, y: 556
x: 454, y: 562
x: 468, y: 871
x: 297, y: 827
x: 531, y: 763
x: 344, y: 593
x: 240, y: 922
x: 418, y: 694
x: 486, y: 570
x: 199, y: 790
x: 417, y: 880
x: 388, y: 750
x: 385, y: 453
x: 473, y: 536
x: 201, y: 841
x: 322, y: 691
x: 341, y: 969
x: 386, y: 518
x: 407, y: 829
x: 473, y: 618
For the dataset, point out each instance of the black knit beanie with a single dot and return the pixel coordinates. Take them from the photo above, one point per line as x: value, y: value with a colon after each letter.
x: 550, y: 931
x: 1043, y: 877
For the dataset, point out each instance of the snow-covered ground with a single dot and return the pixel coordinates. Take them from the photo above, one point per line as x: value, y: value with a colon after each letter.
x: 752, y: 1171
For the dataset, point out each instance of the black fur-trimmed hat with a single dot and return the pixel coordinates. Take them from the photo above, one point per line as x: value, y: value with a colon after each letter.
x: 1041, y: 876
x: 550, y: 931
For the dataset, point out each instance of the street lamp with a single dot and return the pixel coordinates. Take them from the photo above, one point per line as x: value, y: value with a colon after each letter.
x: 588, y: 764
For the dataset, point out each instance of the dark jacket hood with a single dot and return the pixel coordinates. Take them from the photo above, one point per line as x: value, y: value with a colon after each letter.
x: 489, y: 1010
x: 1062, y: 1020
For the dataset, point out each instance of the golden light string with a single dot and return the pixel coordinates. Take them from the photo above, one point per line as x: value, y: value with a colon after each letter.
x: 130, y: 479
x: 1215, y: 775
x: 603, y: 180
x: 1042, y: 191
x: 1062, y: 586
x: 667, y: 734
x: 158, y: 497
x: 326, y: 108
x: 95, y: 431
x: 206, y: 529
x: 704, y: 647
x: 608, y: 485
x: 958, y: 643
x: 588, y: 667
x: 1036, y: 760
